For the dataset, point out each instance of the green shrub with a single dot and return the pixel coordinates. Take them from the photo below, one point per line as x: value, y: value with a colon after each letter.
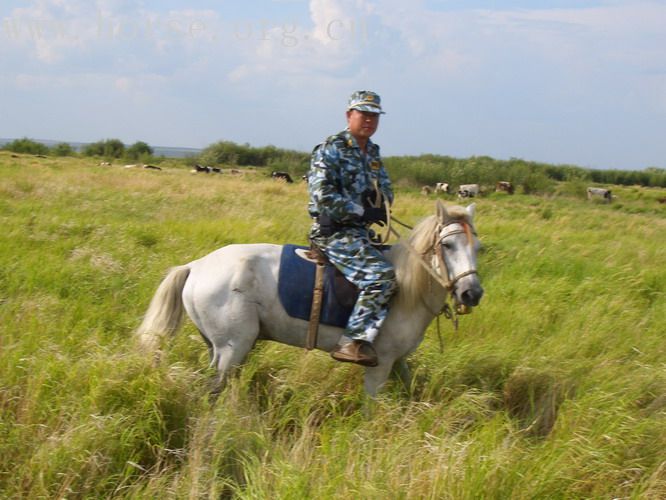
x: 537, y: 182
x: 63, y: 149
x: 230, y: 153
x: 109, y: 148
x: 139, y: 150
x: 27, y: 146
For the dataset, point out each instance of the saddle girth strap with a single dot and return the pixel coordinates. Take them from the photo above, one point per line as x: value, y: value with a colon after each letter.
x: 315, y: 311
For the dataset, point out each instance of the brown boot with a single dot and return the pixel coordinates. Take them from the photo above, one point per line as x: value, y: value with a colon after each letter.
x: 356, y: 351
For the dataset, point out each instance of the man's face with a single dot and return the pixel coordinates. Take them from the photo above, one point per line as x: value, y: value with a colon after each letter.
x: 362, y: 124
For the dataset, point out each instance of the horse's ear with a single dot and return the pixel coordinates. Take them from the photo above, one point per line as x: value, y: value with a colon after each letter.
x: 471, y: 210
x: 442, y: 214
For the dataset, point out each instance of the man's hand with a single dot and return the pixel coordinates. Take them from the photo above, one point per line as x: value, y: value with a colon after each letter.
x: 375, y: 215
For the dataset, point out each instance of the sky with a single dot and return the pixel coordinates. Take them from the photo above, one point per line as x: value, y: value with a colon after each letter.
x: 561, y: 82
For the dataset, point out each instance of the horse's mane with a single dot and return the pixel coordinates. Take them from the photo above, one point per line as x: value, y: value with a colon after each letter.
x: 412, y: 278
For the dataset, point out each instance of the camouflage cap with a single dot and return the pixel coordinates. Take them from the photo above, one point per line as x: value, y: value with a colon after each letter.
x: 364, y: 100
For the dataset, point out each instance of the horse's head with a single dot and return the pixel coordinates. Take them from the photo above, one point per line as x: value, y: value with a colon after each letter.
x: 456, y: 247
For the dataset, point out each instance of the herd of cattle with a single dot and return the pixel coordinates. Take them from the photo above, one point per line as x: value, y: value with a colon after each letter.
x: 464, y: 190
x: 473, y: 190
x: 148, y: 167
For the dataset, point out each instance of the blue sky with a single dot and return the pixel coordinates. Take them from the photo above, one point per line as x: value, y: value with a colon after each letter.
x: 561, y: 82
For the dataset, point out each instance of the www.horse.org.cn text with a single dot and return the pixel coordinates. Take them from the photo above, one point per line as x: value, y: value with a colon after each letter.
x: 108, y: 28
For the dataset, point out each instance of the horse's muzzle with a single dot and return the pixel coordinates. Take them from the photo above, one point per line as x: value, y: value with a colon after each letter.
x: 472, y: 296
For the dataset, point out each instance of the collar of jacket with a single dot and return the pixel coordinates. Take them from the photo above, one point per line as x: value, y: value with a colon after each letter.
x: 350, y: 142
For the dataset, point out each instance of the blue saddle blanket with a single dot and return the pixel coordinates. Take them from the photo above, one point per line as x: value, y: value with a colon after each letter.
x: 296, y: 283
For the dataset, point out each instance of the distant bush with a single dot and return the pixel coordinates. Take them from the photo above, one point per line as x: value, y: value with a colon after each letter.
x: 537, y: 183
x: 63, y: 149
x: 575, y: 187
x: 27, y: 146
x: 230, y: 153
x: 139, y: 150
x: 109, y: 148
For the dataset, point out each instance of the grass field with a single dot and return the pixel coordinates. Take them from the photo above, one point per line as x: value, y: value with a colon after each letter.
x: 555, y: 387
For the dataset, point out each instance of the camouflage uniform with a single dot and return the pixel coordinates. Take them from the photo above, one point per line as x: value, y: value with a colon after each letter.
x: 340, y: 174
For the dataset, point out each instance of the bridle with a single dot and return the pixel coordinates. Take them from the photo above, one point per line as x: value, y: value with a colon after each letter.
x: 466, y: 229
x: 436, y: 249
x: 451, y: 308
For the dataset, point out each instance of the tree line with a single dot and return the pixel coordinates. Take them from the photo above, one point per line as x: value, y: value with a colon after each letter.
x: 107, y: 148
x: 428, y: 169
x: 533, y: 177
x: 415, y: 171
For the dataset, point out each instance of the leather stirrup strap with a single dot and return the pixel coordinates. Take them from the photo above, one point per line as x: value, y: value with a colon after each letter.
x: 315, y: 312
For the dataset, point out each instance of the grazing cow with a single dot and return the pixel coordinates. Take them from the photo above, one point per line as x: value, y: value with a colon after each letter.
x: 216, y: 170
x: 442, y: 187
x: 468, y: 190
x: 235, y: 171
x: 152, y: 167
x: 282, y: 176
x: 662, y: 200
x: 134, y: 165
x: 504, y: 186
x: 599, y: 192
x: 201, y: 168
x: 105, y: 164
x: 426, y: 190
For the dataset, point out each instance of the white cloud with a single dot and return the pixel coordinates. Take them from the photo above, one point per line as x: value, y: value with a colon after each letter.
x: 332, y: 44
x: 559, y: 35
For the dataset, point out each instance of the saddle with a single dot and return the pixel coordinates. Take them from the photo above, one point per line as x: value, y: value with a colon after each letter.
x: 312, y: 289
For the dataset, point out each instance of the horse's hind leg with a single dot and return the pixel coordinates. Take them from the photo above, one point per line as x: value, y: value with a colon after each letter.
x: 229, y: 357
x: 232, y: 345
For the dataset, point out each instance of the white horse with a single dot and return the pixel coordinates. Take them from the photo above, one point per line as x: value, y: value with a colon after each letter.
x: 231, y: 296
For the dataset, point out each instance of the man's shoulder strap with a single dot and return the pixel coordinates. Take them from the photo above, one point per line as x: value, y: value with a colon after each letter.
x: 338, y: 139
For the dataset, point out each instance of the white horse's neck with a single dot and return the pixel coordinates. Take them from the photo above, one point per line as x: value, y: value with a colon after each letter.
x: 416, y: 287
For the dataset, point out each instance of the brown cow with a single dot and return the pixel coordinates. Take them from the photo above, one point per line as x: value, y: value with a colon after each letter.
x: 504, y: 186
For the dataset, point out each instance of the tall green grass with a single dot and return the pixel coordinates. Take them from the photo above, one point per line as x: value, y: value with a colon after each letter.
x: 555, y: 387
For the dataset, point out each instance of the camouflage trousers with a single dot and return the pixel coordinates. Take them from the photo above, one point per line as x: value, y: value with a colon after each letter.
x: 351, y: 252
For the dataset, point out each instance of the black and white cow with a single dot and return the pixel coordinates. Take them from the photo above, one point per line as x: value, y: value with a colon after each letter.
x: 468, y: 190
x: 282, y: 176
x: 604, y: 193
x: 202, y: 168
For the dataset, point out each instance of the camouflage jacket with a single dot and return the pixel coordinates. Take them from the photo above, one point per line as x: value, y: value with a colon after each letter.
x: 339, y: 175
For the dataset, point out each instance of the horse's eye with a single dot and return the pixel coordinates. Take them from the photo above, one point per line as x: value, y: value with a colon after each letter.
x: 446, y: 245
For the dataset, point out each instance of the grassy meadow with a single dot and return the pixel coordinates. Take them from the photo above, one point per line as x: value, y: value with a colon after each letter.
x: 555, y: 386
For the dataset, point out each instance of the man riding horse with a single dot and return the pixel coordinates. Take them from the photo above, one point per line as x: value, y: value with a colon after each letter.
x: 349, y: 190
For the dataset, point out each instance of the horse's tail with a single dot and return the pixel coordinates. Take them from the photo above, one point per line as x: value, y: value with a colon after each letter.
x: 165, y: 312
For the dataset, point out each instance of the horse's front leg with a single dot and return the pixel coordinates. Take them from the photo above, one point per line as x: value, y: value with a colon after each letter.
x: 376, y: 376
x: 401, y: 370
